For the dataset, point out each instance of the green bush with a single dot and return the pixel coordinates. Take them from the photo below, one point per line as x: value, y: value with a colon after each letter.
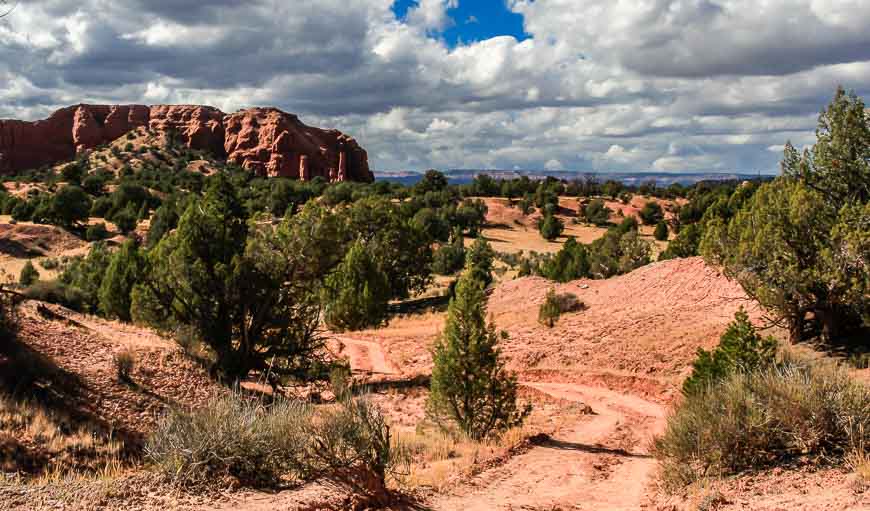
x: 651, y: 213
x: 661, y: 232
x: 449, y: 258
x: 85, y: 275
x: 761, y: 418
x: 557, y: 304
x: 96, y: 232
x: 356, y: 293
x: 597, y: 213
x: 740, y: 349
x: 55, y: 291
x: 29, y: 275
x: 69, y: 206
x: 551, y: 227
x: 123, y: 273
x: 231, y: 436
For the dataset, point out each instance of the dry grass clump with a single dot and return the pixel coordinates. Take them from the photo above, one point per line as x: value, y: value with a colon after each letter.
x: 440, y: 458
x: 753, y: 420
x: 39, y: 442
x: 556, y: 304
x: 124, y: 361
x: 287, y: 441
x: 231, y: 436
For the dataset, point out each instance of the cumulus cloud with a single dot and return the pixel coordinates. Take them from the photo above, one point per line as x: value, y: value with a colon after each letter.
x: 672, y: 85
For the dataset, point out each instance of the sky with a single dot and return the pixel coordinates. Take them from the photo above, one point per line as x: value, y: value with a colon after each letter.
x: 582, y: 85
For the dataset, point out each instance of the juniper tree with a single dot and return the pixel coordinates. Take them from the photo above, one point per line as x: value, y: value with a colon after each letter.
x: 122, y: 274
x: 799, y: 245
x: 356, y: 293
x: 470, y: 386
x: 29, y: 275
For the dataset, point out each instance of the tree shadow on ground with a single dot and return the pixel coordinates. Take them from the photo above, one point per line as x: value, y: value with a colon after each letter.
x: 552, y: 443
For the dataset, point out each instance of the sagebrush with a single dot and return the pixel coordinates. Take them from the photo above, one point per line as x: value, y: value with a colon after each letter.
x: 750, y: 420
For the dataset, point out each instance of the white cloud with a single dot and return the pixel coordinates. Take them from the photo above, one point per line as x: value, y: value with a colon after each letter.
x: 643, y: 87
x: 554, y: 165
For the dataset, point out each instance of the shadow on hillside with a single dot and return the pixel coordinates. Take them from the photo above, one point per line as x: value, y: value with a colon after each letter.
x: 419, y: 381
x: 31, y: 379
x: 419, y: 305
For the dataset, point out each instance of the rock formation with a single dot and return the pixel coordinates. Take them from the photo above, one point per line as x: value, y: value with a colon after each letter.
x: 266, y: 141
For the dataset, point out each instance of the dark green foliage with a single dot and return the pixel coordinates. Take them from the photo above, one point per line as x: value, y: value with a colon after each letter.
x: 570, y: 263
x: 69, y: 206
x: 740, y: 349
x: 627, y: 225
x: 74, y: 172
x: 661, y: 232
x: 429, y: 221
x: 126, y: 220
x: 685, y: 244
x: 470, y: 386
x: 96, y: 232
x: 55, y: 291
x: 651, y: 213
x: 618, y: 252
x: 164, y: 220
x: 400, y: 249
x: 550, y: 227
x: 450, y: 257
x: 124, y: 271
x: 526, y: 204
x: 253, y: 299
x: 29, y: 275
x: 799, y: 245
x: 479, y: 260
x: 597, y: 213
x: 84, y: 276
x: 356, y: 293
x: 433, y: 181
x: 557, y: 304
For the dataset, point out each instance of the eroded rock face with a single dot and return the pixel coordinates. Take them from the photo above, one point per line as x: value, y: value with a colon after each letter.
x: 263, y: 140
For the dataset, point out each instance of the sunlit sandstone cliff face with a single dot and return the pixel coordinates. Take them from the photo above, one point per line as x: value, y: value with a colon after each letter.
x: 266, y: 141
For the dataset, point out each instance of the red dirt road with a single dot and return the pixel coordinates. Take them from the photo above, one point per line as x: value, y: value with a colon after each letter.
x: 601, y: 462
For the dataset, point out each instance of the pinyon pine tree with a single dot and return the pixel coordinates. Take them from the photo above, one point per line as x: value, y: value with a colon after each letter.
x: 470, y: 385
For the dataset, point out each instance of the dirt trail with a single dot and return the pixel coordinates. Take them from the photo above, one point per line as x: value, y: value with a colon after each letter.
x: 601, y: 462
x: 366, y: 356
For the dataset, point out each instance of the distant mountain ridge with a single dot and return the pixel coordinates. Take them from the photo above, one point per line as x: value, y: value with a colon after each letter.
x: 463, y: 176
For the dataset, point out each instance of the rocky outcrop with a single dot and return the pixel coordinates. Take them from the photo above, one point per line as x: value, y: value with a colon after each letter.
x: 266, y: 141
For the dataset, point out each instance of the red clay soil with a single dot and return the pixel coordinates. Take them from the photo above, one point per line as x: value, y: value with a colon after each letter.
x: 639, y: 332
x: 78, y: 351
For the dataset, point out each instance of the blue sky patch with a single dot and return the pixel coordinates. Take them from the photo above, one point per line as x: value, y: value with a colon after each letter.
x: 474, y: 20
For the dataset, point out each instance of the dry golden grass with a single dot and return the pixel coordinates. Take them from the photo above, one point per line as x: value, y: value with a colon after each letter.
x: 53, y: 442
x: 441, y: 459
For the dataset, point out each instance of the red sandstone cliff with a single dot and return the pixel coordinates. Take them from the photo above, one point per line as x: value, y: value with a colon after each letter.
x: 264, y: 140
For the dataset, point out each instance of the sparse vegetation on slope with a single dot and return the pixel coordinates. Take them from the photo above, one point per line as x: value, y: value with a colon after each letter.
x: 752, y: 420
